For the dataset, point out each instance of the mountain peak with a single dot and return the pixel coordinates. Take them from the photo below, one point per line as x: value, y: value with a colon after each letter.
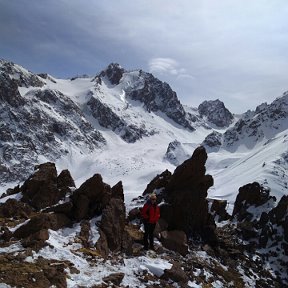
x: 113, y: 72
x: 216, y: 113
x: 20, y: 75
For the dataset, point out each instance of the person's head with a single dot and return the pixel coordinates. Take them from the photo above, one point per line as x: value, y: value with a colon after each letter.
x: 153, y: 197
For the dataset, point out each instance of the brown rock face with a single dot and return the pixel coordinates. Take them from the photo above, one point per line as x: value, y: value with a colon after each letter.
x: 186, y: 194
x: 91, y: 197
x: 40, y: 190
x: 175, y: 240
x: 158, y: 182
x: 36, y: 240
x: 40, y: 222
x: 15, y: 209
x: 85, y: 233
x: 45, y: 273
x: 115, y: 278
x: 113, y: 223
x: 117, y: 191
x: 65, y: 180
x: 102, y: 245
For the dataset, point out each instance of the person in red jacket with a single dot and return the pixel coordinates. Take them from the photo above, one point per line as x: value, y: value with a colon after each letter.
x: 150, y: 214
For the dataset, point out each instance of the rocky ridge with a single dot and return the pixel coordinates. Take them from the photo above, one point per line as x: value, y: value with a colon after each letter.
x: 253, y: 127
x: 40, y: 123
x: 40, y: 120
x: 234, y: 252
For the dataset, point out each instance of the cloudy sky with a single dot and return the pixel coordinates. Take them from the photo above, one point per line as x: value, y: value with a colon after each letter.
x: 236, y: 51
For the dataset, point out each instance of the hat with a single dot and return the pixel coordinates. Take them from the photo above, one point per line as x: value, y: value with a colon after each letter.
x: 153, y: 196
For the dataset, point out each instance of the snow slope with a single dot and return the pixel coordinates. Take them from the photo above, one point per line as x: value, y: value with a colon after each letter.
x: 261, y: 158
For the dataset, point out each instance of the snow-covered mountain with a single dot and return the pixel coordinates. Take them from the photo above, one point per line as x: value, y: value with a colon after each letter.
x: 130, y: 126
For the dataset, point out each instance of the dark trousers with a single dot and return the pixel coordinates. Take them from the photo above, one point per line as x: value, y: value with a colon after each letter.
x: 149, y: 235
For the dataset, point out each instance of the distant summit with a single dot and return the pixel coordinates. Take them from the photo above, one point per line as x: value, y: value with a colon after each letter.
x: 113, y: 72
x: 216, y: 113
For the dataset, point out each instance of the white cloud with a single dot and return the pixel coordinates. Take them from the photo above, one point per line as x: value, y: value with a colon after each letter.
x: 203, y: 49
x: 167, y: 66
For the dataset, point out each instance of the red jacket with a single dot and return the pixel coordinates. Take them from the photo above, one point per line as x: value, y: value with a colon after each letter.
x: 150, y: 212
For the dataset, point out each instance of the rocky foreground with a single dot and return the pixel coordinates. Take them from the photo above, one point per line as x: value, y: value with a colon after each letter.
x: 203, y: 243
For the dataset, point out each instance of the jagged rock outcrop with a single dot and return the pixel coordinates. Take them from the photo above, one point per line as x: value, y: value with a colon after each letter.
x: 230, y: 262
x: 175, y: 153
x: 91, y: 198
x: 41, y: 189
x: 65, y: 180
x: 15, y: 209
x: 186, y: 194
x: 42, y: 221
x: 113, y: 224
x: 250, y: 194
x: 36, y: 240
x: 260, y: 220
x: 158, y: 182
x: 216, y: 113
x: 117, y: 191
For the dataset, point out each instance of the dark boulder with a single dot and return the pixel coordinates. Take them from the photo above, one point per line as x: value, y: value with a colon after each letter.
x: 90, y: 198
x: 117, y: 191
x: 37, y: 240
x: 64, y: 208
x: 175, y: 240
x: 40, y: 190
x: 40, y: 222
x: 252, y: 194
x: 114, y: 278
x: 113, y: 223
x: 102, y: 245
x: 65, y: 180
x: 186, y: 194
x: 16, y: 209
